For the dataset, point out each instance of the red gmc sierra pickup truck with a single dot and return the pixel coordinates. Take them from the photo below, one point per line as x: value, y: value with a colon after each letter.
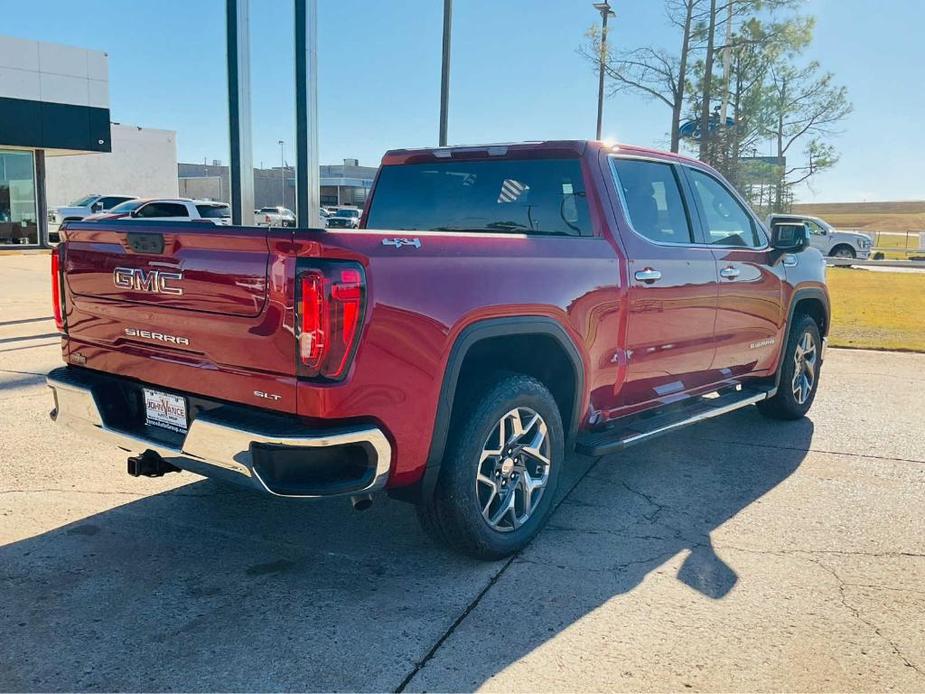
x: 499, y: 306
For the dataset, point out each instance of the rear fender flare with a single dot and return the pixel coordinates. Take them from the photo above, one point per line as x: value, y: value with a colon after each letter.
x: 467, y: 338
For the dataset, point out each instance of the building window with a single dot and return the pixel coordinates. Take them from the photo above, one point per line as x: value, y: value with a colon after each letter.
x: 18, y: 218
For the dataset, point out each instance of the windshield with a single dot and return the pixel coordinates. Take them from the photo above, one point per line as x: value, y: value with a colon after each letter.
x: 126, y: 207
x: 529, y: 196
x: 347, y: 213
x: 84, y: 201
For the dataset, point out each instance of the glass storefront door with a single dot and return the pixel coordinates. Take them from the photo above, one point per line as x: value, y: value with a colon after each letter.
x: 18, y: 210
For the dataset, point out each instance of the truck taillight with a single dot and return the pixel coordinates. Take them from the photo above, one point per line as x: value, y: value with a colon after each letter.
x: 56, y: 289
x: 330, y: 310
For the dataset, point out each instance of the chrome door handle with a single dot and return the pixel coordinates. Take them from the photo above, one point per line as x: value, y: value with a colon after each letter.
x: 730, y: 273
x: 648, y: 275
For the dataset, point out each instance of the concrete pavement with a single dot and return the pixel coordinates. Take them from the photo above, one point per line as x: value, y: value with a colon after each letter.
x: 741, y: 554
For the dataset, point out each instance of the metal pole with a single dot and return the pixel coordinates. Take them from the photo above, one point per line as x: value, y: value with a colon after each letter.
x: 445, y: 71
x: 307, y: 186
x: 282, y: 173
x: 237, y: 17
x: 41, y: 200
x: 604, y: 9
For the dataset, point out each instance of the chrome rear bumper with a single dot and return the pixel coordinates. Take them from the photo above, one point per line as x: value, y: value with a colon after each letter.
x: 216, y: 445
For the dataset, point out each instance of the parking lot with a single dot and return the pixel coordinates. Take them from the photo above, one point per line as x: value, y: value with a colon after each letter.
x: 740, y: 554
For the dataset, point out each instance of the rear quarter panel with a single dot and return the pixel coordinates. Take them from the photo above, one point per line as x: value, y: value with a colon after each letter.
x: 421, y: 298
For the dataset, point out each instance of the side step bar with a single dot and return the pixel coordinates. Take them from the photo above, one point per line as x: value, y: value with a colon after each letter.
x: 626, y: 432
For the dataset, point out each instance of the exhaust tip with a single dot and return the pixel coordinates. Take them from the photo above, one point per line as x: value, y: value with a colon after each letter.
x: 361, y: 502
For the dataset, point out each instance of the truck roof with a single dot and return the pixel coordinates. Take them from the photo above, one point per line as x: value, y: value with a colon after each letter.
x: 541, y: 149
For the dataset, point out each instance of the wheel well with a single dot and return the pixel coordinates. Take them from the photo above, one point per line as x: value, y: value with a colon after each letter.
x: 841, y: 245
x: 815, y: 309
x: 534, y: 354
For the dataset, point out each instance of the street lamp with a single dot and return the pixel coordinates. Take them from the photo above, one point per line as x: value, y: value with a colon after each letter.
x: 282, y: 172
x: 604, y: 9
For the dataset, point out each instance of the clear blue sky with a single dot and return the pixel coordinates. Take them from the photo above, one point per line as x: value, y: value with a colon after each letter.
x: 516, y: 76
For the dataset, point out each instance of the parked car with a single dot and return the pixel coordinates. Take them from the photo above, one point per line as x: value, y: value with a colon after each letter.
x: 275, y: 217
x: 830, y: 241
x: 85, y: 206
x: 168, y: 209
x: 500, y: 306
x: 344, y: 218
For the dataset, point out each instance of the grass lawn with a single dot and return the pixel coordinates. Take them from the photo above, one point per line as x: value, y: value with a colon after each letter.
x: 879, y: 310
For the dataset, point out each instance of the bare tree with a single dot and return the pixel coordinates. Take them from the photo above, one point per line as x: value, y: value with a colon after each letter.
x: 653, y: 72
x: 806, y: 105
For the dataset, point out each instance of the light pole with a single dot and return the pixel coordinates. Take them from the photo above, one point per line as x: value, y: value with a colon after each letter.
x: 282, y: 172
x: 445, y: 70
x: 604, y: 9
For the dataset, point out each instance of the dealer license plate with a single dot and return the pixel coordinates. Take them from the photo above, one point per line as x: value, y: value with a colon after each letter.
x: 165, y: 410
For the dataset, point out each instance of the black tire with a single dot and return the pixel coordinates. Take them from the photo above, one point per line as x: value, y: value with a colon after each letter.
x: 842, y: 251
x: 453, y: 515
x: 786, y: 404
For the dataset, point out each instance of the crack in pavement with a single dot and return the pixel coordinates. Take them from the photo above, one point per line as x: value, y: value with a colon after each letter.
x: 897, y: 651
x: 421, y: 664
x: 809, y: 450
x: 22, y: 373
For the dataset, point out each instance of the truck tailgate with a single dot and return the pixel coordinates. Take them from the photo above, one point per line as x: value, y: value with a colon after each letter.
x: 188, y: 306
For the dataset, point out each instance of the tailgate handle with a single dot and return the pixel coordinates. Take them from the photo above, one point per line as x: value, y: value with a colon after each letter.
x: 146, y: 243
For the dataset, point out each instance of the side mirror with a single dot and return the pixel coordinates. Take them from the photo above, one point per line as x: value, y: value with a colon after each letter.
x: 96, y: 207
x: 789, y: 236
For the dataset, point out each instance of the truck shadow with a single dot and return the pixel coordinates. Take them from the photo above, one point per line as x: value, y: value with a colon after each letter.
x: 205, y: 587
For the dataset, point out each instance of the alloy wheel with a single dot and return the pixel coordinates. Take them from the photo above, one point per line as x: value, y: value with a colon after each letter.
x: 804, y: 372
x: 513, y: 469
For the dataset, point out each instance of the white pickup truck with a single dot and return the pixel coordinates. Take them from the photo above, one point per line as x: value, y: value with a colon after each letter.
x: 274, y: 217
x: 85, y: 206
x: 829, y: 240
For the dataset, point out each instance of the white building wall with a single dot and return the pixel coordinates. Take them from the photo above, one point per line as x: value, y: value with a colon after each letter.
x: 50, y: 72
x: 143, y: 162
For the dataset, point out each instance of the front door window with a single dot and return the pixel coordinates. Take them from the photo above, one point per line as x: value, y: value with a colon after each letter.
x: 18, y: 218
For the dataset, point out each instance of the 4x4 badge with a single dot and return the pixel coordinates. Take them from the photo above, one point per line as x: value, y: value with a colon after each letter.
x: 398, y: 243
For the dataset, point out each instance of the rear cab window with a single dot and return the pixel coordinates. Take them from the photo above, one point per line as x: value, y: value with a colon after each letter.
x: 530, y: 196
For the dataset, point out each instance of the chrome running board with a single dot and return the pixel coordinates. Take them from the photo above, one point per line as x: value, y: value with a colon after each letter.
x: 625, y: 432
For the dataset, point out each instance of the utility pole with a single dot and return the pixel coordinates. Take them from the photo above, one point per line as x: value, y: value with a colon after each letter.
x: 445, y: 71
x: 241, y: 169
x: 728, y: 50
x: 307, y: 182
x: 282, y: 172
x: 604, y: 9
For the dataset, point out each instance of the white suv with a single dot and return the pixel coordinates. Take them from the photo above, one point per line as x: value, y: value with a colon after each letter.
x: 169, y: 210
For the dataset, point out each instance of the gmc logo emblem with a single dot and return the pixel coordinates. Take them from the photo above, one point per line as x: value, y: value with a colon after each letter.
x: 152, y: 281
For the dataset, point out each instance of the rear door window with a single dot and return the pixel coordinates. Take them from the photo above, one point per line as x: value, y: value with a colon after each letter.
x: 214, y: 211
x: 652, y: 199
x: 536, y: 196
x: 111, y: 201
x: 163, y: 209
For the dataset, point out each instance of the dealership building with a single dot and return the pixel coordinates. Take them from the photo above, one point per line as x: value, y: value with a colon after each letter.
x: 54, y: 101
